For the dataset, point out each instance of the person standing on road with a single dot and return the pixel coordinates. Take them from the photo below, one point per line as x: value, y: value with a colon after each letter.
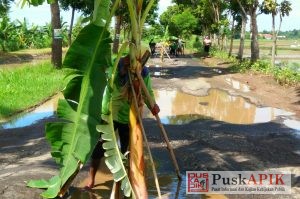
x: 206, y: 44
x: 120, y: 112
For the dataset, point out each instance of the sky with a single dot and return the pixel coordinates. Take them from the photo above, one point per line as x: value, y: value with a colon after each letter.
x: 41, y: 14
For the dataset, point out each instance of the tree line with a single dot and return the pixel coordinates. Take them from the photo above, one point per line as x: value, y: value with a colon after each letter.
x: 220, y: 19
x: 290, y: 34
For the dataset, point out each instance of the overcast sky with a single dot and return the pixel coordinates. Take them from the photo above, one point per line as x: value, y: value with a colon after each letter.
x: 41, y: 14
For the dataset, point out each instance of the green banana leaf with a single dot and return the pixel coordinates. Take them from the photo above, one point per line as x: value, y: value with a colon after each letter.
x: 114, y: 159
x: 73, y: 139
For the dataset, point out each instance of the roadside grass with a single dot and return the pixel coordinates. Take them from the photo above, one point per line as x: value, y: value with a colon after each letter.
x: 284, y: 74
x: 26, y: 86
x: 21, y: 55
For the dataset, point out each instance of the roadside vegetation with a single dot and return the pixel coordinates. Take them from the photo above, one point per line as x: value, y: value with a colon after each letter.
x: 26, y: 86
x: 284, y: 72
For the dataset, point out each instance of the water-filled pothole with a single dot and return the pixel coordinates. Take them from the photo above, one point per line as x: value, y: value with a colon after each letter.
x: 180, y: 108
x: 43, y: 111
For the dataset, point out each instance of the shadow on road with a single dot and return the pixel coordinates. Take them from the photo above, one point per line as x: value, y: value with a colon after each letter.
x: 185, y: 68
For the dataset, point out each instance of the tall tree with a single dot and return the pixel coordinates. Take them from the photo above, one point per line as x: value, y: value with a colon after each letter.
x: 254, y: 5
x: 5, y: 26
x: 273, y: 8
x: 243, y: 14
x: 210, y: 15
x: 4, y: 7
x: 251, y: 8
x: 85, y: 6
x: 180, y: 21
x: 56, y: 58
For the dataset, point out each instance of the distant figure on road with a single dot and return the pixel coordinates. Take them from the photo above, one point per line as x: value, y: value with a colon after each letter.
x: 206, y: 44
x: 152, y: 46
x: 180, y: 48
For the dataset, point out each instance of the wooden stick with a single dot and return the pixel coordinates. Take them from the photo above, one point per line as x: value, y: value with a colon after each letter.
x: 164, y: 133
x: 144, y: 135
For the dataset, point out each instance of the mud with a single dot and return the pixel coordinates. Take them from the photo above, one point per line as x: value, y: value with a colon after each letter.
x: 204, y: 143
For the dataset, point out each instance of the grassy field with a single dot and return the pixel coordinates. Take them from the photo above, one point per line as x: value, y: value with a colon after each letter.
x: 27, y: 85
x: 284, y: 47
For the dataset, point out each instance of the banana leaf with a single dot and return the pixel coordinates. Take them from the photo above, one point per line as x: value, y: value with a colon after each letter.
x: 114, y: 159
x: 73, y: 139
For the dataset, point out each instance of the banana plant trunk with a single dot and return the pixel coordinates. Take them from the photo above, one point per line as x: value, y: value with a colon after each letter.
x: 136, y: 172
x: 136, y: 159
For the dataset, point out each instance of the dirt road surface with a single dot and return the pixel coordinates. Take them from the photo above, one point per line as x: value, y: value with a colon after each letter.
x: 200, y: 142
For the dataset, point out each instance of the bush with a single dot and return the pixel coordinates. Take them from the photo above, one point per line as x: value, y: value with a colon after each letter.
x: 286, y: 76
x: 283, y: 74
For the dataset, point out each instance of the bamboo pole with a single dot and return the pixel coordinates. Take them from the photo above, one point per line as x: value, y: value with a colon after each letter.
x: 144, y: 135
x: 164, y: 133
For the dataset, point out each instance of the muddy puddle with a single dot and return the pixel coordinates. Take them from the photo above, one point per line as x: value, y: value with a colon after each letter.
x: 180, y: 108
x: 170, y: 187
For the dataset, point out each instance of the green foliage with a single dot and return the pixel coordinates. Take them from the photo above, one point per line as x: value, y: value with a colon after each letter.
x: 85, y: 6
x: 197, y: 44
x: 184, y: 23
x: 72, y: 141
x: 155, y: 32
x: 28, y: 85
x: 181, y: 21
x: 19, y: 35
x: 283, y: 74
x: 166, y: 18
x: 287, y: 76
x: 113, y: 157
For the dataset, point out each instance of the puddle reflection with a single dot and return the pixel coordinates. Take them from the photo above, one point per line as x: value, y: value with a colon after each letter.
x: 43, y: 111
x: 237, y: 85
x: 218, y: 105
x: 180, y: 108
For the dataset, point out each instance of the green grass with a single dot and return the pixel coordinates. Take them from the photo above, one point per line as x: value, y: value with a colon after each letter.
x: 284, y: 75
x: 25, y: 86
x: 265, y: 46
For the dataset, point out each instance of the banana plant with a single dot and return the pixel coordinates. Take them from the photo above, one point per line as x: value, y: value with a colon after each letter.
x: 73, y: 139
x: 136, y: 160
x: 114, y: 159
x: 136, y: 187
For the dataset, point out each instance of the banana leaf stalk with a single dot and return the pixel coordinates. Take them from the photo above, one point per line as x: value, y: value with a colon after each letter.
x: 163, y: 131
x: 145, y: 137
x: 136, y: 160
